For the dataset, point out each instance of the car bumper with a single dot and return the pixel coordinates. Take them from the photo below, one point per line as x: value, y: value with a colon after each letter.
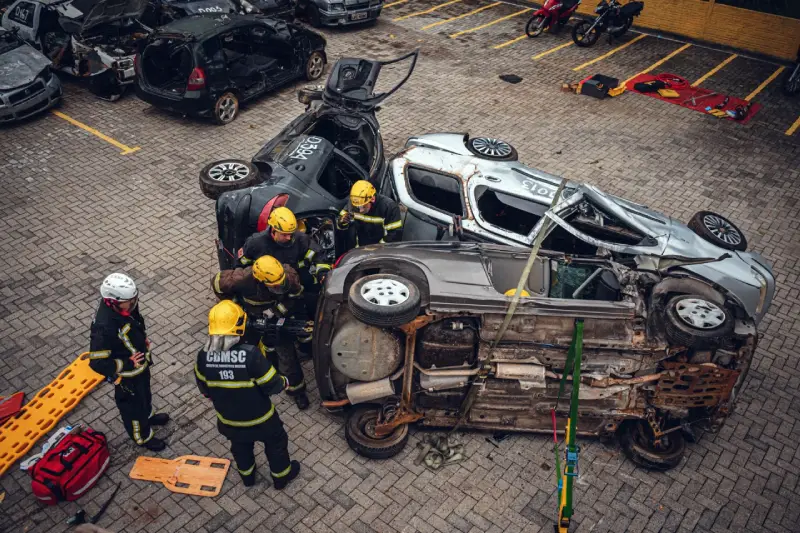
x: 40, y: 101
x: 190, y: 103
x: 346, y: 18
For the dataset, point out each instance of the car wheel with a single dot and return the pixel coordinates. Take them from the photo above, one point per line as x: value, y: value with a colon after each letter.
x: 636, y: 439
x: 314, y: 17
x: 360, y: 434
x: 227, y: 175
x: 315, y: 66
x: 493, y: 149
x: 695, y: 321
x: 718, y: 230
x: 384, y: 300
x: 226, y: 109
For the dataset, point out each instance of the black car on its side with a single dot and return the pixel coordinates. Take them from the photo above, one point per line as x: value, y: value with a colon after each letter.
x: 208, y: 65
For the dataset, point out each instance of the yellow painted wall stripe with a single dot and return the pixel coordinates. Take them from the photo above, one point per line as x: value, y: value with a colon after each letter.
x: 426, y: 11
x: 793, y: 128
x: 482, y: 26
x: 659, y: 62
x: 766, y: 82
x: 512, y: 41
x: 611, y: 53
x: 125, y: 149
x: 395, y: 3
x: 556, y: 49
x: 473, y: 12
x: 714, y: 70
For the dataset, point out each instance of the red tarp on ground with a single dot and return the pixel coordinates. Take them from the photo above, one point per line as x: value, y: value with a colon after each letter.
x: 687, y: 92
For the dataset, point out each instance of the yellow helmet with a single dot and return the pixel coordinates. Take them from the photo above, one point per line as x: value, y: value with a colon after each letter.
x: 282, y: 220
x: 226, y: 318
x: 269, y: 271
x: 361, y: 193
x: 512, y: 292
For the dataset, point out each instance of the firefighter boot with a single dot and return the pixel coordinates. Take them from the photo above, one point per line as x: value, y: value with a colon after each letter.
x: 281, y: 482
x: 159, y: 419
x: 155, y: 444
x: 302, y: 401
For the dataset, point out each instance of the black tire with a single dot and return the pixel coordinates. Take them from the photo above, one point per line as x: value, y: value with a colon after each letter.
x: 535, y: 26
x: 635, y: 438
x: 579, y: 34
x: 701, y: 310
x: 718, y: 230
x: 226, y: 108
x: 364, y: 443
x: 315, y: 66
x: 791, y: 86
x: 619, y: 33
x: 314, y: 17
x: 492, y: 149
x: 227, y: 175
x: 363, y: 295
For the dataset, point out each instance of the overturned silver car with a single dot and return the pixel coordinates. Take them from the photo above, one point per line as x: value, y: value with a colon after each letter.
x: 409, y: 332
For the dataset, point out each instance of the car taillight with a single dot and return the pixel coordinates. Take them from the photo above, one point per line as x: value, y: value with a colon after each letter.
x: 197, y: 80
x: 335, y: 264
x: 136, y: 64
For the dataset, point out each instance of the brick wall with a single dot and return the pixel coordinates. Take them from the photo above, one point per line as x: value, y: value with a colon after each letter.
x: 731, y: 26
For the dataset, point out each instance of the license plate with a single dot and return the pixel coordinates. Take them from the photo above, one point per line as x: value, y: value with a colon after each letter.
x: 128, y: 74
x: 358, y: 16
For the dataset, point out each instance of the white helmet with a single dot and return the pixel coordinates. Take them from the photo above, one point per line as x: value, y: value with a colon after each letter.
x: 118, y: 288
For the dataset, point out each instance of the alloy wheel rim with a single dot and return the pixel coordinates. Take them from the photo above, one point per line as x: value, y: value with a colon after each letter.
x: 491, y: 147
x: 228, y: 172
x: 722, y: 229
x: 227, y: 109
x: 385, y: 292
x: 315, y: 69
x: 700, y: 314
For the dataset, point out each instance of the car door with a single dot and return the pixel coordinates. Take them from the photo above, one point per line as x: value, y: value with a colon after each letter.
x: 269, y: 53
x: 433, y: 200
x: 24, y: 16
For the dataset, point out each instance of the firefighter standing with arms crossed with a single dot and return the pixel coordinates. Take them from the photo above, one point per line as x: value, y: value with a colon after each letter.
x: 271, y: 289
x: 239, y: 380
x: 376, y: 218
x: 120, y: 351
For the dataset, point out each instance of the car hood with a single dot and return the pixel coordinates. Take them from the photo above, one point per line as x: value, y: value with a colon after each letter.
x: 202, y: 7
x: 96, y: 12
x: 20, y: 66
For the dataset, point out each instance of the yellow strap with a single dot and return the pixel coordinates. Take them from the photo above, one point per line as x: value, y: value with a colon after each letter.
x: 394, y: 225
x: 99, y: 355
x: 247, y: 423
x: 366, y: 218
x: 123, y: 336
x: 133, y: 373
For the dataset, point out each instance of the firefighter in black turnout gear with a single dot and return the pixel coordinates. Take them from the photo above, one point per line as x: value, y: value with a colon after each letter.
x: 376, y: 218
x: 270, y: 289
x: 120, y: 351
x: 239, y: 380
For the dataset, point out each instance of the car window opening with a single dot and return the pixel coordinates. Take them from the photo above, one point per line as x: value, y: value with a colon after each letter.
x: 439, y: 191
x: 567, y: 278
x: 357, y: 142
x: 599, y: 225
x: 509, y: 212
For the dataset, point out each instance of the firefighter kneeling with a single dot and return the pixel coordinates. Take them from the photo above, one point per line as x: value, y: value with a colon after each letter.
x: 239, y: 380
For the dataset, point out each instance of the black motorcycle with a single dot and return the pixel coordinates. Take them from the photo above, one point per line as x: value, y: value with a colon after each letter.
x: 791, y: 80
x: 612, y: 18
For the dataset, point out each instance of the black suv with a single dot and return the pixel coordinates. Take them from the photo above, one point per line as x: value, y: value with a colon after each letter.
x: 207, y: 66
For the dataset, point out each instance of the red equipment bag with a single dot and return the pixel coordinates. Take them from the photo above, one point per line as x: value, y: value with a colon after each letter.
x: 71, y: 468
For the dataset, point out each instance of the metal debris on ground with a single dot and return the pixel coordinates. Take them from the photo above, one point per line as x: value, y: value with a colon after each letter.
x: 510, y: 78
x: 440, y: 451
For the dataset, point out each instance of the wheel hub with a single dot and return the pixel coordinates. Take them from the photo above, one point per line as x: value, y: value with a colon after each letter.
x: 722, y: 229
x: 491, y: 147
x: 228, y: 172
x: 385, y: 292
x: 700, y: 314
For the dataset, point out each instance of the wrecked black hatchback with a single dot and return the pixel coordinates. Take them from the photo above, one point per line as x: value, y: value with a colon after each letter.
x: 209, y: 66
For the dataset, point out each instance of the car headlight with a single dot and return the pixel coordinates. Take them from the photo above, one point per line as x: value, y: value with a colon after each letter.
x: 47, y: 75
x: 337, y: 7
x: 762, y: 291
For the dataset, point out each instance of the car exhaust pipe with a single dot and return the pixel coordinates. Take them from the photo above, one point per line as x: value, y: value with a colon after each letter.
x: 367, y: 392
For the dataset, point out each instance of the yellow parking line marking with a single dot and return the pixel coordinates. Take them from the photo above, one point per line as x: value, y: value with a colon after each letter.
x: 714, y: 70
x: 426, y: 11
x: 125, y: 149
x: 501, y: 19
x: 609, y: 54
x: 395, y: 3
x: 556, y: 49
x: 793, y: 128
x: 659, y: 62
x: 766, y: 82
x: 512, y: 41
x: 473, y: 12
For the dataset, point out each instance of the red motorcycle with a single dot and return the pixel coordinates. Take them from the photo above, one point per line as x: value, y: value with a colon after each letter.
x: 553, y: 14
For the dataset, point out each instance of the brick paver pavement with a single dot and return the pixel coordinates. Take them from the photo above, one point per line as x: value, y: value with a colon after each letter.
x: 73, y: 210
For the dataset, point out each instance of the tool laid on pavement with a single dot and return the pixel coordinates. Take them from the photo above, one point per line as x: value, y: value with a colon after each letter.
x: 441, y: 451
x: 694, y: 99
x: 722, y: 104
x: 10, y: 406
x: 20, y: 432
x: 187, y: 474
x: 565, y: 482
x: 80, y: 517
